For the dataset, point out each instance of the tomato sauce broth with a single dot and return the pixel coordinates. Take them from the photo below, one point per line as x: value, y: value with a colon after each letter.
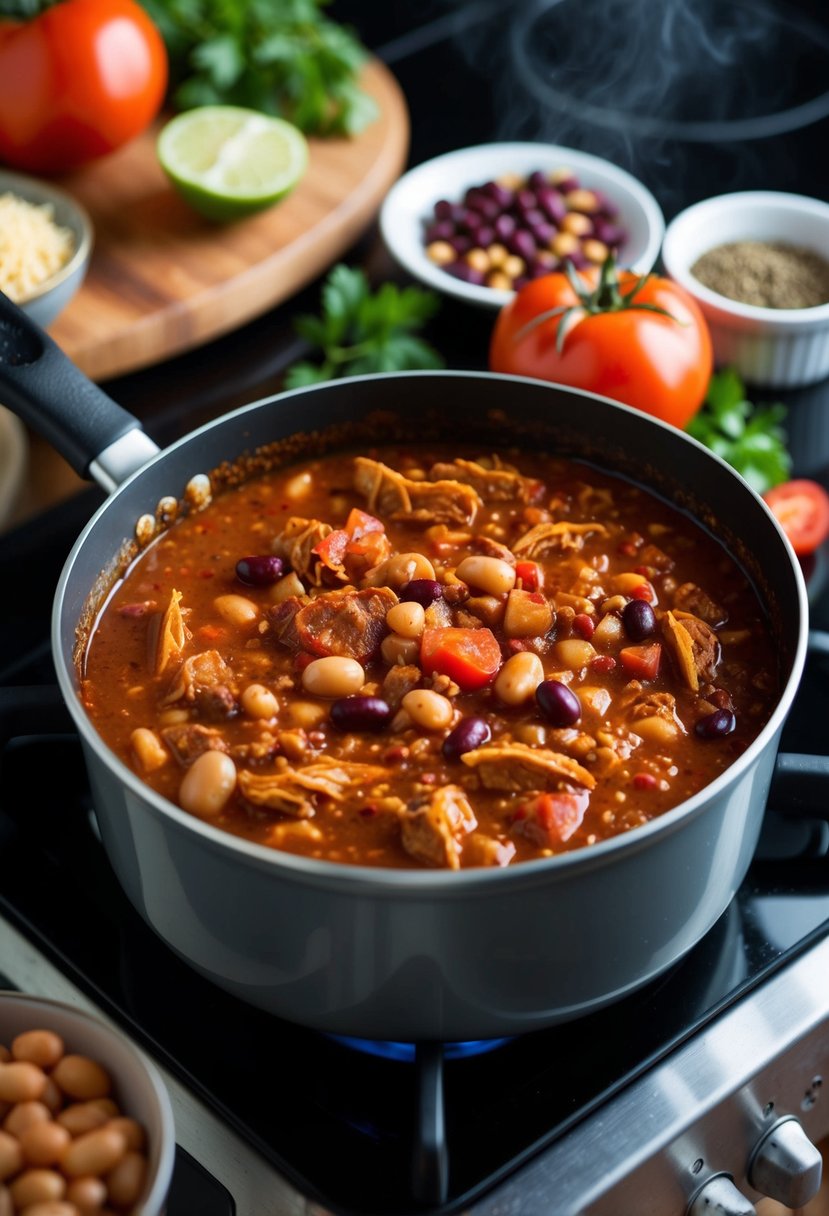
x: 428, y: 660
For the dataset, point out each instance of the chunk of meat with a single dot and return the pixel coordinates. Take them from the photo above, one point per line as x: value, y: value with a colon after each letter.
x: 551, y: 819
x: 399, y: 680
x: 423, y: 502
x: 282, y: 620
x: 494, y: 481
x: 432, y: 833
x: 693, y: 645
x: 692, y: 600
x: 297, y: 543
x: 576, y: 743
x: 173, y: 634
x: 516, y: 766
x: 293, y: 791
x: 486, y: 546
x: 347, y: 623
x: 189, y: 740
x: 482, y: 850
x: 654, y: 705
x: 652, y: 555
x: 206, y: 681
x: 555, y: 538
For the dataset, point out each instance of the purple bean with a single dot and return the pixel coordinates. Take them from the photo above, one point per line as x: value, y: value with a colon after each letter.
x: 525, y: 200
x: 522, y: 244
x: 537, y: 180
x: 461, y: 244
x: 611, y: 234
x: 568, y: 184
x: 502, y: 195
x: 423, y: 591
x: 557, y: 703
x: 471, y: 221
x: 639, y: 620
x: 466, y: 736
x: 467, y: 274
x: 717, y: 725
x: 259, y: 571
x: 606, y: 205
x: 485, y: 236
x: 534, y: 216
x: 485, y: 206
x: 441, y: 230
x: 360, y: 713
x: 542, y: 233
x: 444, y: 210
x: 504, y: 227
x: 552, y: 204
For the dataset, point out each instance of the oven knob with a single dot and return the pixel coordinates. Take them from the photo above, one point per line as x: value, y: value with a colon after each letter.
x: 785, y: 1165
x: 720, y: 1197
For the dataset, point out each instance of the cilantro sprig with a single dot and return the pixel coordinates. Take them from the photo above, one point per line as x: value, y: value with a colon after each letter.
x: 361, y: 330
x: 749, y: 437
x: 284, y: 58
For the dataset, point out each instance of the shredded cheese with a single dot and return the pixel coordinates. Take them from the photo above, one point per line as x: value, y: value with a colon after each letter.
x: 32, y: 246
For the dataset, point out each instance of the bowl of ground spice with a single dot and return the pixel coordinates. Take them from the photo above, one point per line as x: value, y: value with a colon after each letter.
x: 757, y: 263
x: 45, y: 245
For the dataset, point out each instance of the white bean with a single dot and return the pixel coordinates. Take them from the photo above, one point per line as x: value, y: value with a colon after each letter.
x: 408, y: 619
x: 208, y: 784
x: 150, y: 752
x: 259, y: 702
x: 489, y: 574
x: 236, y: 609
x: 403, y: 567
x: 519, y: 677
x: 428, y: 709
x: 399, y: 651
x: 333, y: 676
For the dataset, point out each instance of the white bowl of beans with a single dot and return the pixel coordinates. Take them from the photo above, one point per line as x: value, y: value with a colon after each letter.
x: 757, y: 263
x: 480, y: 222
x: 85, y: 1120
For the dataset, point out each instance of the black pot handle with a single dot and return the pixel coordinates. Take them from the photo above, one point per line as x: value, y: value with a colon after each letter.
x: 41, y: 384
x: 800, y: 786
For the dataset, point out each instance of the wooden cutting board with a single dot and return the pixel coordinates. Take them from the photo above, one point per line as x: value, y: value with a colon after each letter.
x: 163, y: 280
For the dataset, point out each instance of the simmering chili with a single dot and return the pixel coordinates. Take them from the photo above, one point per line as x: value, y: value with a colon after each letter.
x: 417, y: 659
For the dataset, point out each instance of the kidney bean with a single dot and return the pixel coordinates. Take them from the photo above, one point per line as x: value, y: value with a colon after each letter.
x: 485, y: 235
x: 466, y: 736
x: 522, y: 244
x: 717, y: 725
x: 260, y: 571
x: 552, y: 204
x: 557, y: 703
x: 542, y: 233
x: 525, y: 200
x: 360, y: 713
x: 504, y: 227
x: 638, y: 619
x: 502, y: 195
x: 423, y: 591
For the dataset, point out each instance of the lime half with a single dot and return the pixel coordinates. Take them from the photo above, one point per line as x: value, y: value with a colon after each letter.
x: 228, y: 162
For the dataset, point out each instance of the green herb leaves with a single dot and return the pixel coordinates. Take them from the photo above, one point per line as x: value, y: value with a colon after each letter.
x: 361, y: 331
x: 282, y: 57
x: 749, y: 437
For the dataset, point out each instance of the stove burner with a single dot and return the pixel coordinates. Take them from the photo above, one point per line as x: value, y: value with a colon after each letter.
x: 385, y: 1050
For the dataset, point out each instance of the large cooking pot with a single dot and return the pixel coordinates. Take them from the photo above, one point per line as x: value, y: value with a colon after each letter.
x: 414, y: 954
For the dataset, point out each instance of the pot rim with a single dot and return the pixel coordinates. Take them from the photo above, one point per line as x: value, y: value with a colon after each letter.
x: 422, y: 883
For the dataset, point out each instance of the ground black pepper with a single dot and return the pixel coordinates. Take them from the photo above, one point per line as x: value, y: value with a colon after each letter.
x: 764, y: 273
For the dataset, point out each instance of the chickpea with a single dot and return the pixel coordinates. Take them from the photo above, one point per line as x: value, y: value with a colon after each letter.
x: 478, y: 259
x: 582, y: 200
x: 519, y: 677
x: 403, y: 567
x: 333, y: 677
x: 126, y: 1181
x: 207, y: 785
x: 577, y: 223
x: 41, y: 1047
x: 513, y: 266
x: 259, y: 702
x: 94, y: 1153
x: 563, y: 244
x: 488, y: 574
x: 150, y: 752
x: 498, y: 254
x: 498, y: 281
x: 82, y: 1078
x: 21, y: 1081
x: 236, y: 609
x: 25, y: 1115
x: 428, y: 709
x: 44, y: 1143
x: 441, y: 253
x: 37, y: 1186
x: 595, y: 251
x: 407, y: 619
x: 397, y: 651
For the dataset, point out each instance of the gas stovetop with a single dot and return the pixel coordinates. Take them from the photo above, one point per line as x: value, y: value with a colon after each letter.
x: 629, y: 1110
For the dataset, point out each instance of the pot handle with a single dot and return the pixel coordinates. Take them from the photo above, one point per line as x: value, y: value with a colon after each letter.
x: 800, y: 785
x: 39, y: 382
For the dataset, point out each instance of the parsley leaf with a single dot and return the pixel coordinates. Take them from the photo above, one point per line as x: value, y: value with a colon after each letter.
x: 361, y: 331
x: 282, y: 57
x: 751, y: 438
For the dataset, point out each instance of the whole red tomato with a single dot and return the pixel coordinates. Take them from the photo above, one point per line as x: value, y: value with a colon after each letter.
x: 645, y: 345
x: 77, y: 82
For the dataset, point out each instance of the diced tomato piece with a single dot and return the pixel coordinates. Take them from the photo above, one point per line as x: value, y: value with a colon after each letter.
x: 528, y: 575
x: 470, y: 657
x: 552, y: 819
x: 331, y: 550
x: 360, y: 522
x: 642, y: 661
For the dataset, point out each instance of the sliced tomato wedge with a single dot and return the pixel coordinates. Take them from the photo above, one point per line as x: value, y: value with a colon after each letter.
x: 801, y: 507
x: 470, y: 657
x: 642, y: 661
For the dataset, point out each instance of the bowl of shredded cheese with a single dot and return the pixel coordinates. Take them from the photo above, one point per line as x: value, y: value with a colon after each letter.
x: 45, y: 245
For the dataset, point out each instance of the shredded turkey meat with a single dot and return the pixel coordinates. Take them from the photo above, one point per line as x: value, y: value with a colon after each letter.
x: 432, y: 833
x: 423, y: 502
x: 189, y: 740
x: 495, y: 482
x: 516, y: 767
x: 557, y: 537
x: 292, y: 791
x: 173, y: 634
x: 206, y: 681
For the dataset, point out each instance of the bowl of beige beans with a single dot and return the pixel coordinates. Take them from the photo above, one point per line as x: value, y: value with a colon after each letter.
x: 86, y: 1121
x: 46, y: 239
x: 757, y: 264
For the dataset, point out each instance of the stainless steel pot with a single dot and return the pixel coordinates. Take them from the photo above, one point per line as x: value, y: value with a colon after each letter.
x: 416, y: 954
